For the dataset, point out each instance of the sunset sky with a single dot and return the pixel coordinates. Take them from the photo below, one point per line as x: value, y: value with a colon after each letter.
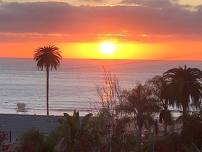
x: 138, y: 29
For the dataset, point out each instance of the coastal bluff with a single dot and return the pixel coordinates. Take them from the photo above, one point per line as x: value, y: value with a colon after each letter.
x: 15, y: 125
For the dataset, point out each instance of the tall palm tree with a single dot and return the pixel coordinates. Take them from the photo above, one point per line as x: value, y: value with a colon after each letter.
x: 48, y: 58
x: 185, y: 87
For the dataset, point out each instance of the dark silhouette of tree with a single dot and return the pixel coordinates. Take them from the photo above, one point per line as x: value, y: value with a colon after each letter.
x: 165, y: 117
x: 101, y: 132
x: 32, y: 141
x: 192, y: 148
x: 127, y: 119
x: 185, y: 87
x: 160, y: 92
x: 109, y: 95
x: 35, y: 141
x: 168, y: 143
x: 106, y: 140
x: 75, y: 133
x: 141, y: 106
x: 47, y: 57
x: 3, y: 142
x: 192, y: 130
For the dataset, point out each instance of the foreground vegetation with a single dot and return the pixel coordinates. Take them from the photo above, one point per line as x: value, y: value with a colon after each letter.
x: 162, y: 115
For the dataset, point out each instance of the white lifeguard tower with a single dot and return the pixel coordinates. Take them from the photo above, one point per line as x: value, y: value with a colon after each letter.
x: 21, y: 107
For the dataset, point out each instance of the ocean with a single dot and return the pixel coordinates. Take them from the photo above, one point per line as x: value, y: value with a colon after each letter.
x: 73, y: 85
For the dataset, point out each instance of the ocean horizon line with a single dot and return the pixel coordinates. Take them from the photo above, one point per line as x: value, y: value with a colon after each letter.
x: 100, y: 59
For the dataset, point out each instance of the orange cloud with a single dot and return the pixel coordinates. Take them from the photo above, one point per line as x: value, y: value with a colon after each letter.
x: 150, y: 30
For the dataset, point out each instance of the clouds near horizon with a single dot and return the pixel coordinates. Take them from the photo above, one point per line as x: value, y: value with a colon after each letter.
x: 149, y: 20
x: 132, y: 21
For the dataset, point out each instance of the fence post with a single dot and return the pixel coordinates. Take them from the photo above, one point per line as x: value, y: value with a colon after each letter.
x: 10, y: 140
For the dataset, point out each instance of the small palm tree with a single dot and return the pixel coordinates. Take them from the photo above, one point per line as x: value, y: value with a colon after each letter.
x: 74, y: 133
x: 48, y: 58
x: 165, y: 117
x: 141, y: 106
x: 160, y: 91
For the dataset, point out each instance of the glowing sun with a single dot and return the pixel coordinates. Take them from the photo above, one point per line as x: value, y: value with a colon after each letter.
x: 107, y: 48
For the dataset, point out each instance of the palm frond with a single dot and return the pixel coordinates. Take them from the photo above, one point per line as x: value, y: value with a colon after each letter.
x: 47, y: 57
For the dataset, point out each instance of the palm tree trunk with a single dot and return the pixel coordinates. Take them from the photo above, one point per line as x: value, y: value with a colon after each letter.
x: 165, y: 128
x: 184, y: 114
x: 140, y: 137
x: 47, y: 90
